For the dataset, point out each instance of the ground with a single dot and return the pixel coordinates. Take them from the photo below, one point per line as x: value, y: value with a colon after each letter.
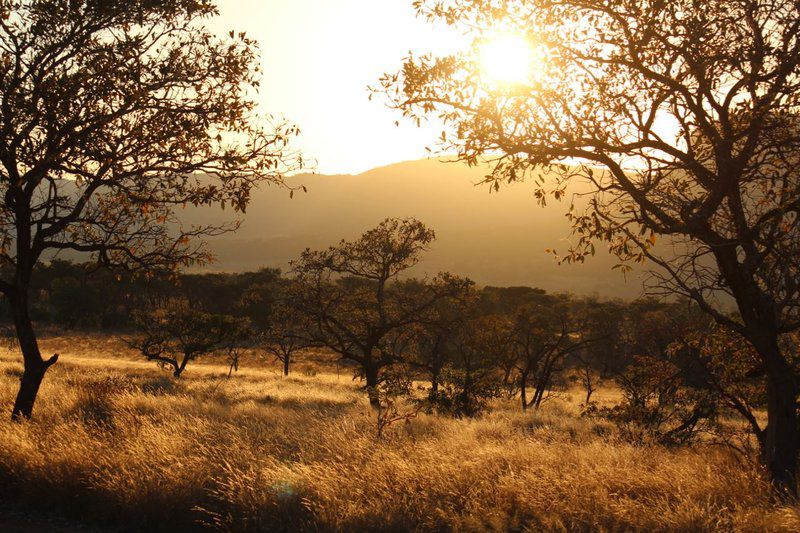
x: 117, y: 443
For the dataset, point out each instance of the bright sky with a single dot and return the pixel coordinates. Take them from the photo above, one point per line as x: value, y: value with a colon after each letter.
x: 318, y: 56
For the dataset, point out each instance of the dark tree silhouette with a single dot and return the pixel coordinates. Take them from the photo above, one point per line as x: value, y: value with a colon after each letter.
x: 173, y: 337
x: 473, y: 375
x: 680, y: 119
x: 112, y: 115
x: 357, y: 306
x: 543, y: 335
x: 432, y: 340
x: 285, y: 334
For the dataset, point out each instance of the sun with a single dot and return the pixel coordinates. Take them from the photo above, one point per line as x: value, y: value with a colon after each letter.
x: 507, y: 59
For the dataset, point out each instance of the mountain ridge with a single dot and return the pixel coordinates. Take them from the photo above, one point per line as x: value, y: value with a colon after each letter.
x: 495, y: 239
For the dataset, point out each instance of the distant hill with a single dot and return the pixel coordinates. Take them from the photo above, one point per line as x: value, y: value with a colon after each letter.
x: 496, y: 239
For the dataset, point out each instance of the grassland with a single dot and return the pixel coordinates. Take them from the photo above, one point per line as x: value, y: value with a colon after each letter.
x: 117, y: 443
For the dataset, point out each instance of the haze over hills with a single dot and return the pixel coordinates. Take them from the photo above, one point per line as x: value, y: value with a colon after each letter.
x: 495, y: 239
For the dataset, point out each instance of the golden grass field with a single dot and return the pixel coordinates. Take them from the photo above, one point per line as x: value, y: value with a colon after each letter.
x: 116, y: 442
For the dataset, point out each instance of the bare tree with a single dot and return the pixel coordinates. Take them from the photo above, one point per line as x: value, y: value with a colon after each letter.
x: 112, y: 115
x: 680, y: 119
x: 355, y: 302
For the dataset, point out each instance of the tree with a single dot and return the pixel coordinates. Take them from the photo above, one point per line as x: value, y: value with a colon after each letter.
x: 112, y: 115
x: 679, y: 121
x: 355, y: 302
x: 473, y: 377
x: 658, y: 406
x: 720, y: 361
x: 285, y: 334
x: 173, y: 337
x: 433, y: 339
x: 544, y: 334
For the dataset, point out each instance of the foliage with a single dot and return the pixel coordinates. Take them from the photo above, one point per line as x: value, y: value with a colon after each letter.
x: 285, y: 334
x: 173, y: 337
x: 472, y: 378
x: 657, y: 406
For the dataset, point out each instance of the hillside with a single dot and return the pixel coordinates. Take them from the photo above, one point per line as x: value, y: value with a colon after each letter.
x: 496, y: 239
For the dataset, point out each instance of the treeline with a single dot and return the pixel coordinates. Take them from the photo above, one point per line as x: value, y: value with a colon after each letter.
x: 81, y: 296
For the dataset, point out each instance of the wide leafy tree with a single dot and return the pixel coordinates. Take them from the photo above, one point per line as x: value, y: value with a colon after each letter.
x: 176, y: 335
x: 677, y: 124
x: 112, y: 116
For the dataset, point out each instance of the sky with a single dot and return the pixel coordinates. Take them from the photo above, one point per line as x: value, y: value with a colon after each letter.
x: 319, y: 56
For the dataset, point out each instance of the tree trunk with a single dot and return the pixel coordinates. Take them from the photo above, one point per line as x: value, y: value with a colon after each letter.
x: 286, y: 364
x: 780, y: 443
x: 435, y: 380
x: 179, y: 369
x: 523, y: 391
x: 35, y: 367
x: 541, y: 388
x: 371, y: 375
x: 759, y: 315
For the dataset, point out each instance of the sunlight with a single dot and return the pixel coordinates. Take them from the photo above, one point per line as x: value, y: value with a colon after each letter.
x: 507, y: 59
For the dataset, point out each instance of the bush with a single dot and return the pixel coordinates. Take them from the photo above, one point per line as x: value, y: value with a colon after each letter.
x: 464, y: 394
x: 658, y: 406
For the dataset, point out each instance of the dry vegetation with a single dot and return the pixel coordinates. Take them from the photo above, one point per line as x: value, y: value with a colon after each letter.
x: 118, y: 442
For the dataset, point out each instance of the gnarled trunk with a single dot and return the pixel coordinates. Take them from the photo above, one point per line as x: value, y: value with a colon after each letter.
x: 34, y: 366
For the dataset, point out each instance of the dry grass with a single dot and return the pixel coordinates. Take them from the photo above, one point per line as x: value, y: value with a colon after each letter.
x: 115, y: 441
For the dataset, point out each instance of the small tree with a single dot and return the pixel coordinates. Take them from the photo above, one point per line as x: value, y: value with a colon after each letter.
x: 658, y: 406
x: 544, y: 335
x: 286, y: 333
x: 395, y: 403
x: 589, y: 379
x: 112, y: 116
x: 173, y: 337
x: 473, y: 377
x: 433, y: 339
x: 719, y: 360
x: 355, y: 302
x: 672, y: 392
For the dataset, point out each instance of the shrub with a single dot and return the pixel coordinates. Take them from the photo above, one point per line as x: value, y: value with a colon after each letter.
x: 658, y: 406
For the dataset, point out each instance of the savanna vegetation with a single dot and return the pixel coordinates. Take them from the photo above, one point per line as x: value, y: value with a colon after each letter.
x: 354, y: 391
x: 389, y: 400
